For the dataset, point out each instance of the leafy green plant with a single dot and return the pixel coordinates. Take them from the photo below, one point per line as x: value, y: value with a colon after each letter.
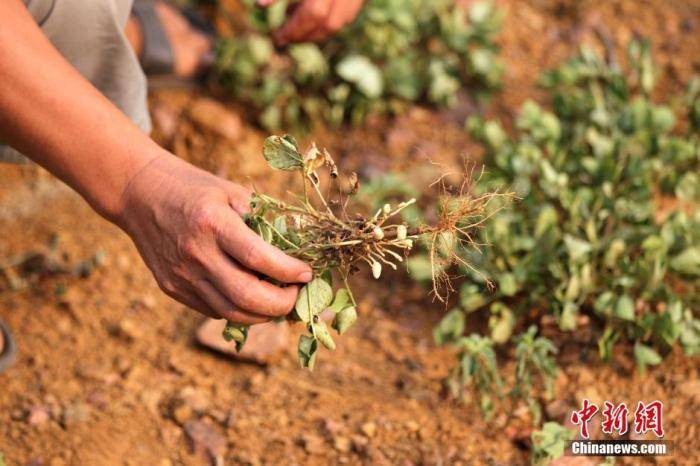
x: 586, y: 235
x: 535, y: 370
x: 584, y: 238
x: 395, y: 53
x: 319, y: 230
x: 549, y: 443
x: 478, y: 365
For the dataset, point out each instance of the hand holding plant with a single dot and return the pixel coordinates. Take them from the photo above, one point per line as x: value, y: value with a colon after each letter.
x: 318, y: 229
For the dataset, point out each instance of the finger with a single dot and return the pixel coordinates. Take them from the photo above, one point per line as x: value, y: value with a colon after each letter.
x: 343, y: 12
x: 224, y: 308
x: 195, y: 303
x: 239, y: 198
x: 252, y: 252
x: 248, y: 292
x: 265, y: 3
x: 308, y: 17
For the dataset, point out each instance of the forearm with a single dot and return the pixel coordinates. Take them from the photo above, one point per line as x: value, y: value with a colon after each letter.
x: 49, y: 112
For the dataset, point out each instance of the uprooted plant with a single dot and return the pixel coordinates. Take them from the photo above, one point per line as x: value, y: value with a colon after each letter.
x: 318, y: 229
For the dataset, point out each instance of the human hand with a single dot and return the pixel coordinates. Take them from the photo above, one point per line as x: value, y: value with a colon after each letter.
x: 187, y: 226
x: 315, y: 20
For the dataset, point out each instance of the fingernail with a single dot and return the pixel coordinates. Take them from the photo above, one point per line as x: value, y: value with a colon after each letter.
x: 305, y: 277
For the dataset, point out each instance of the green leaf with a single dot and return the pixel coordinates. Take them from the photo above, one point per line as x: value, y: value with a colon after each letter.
x: 578, y: 248
x: 507, y: 284
x: 313, y: 298
x: 624, y: 308
x: 549, y: 443
x: 310, y: 62
x: 606, y: 343
x: 342, y: 298
x: 344, y: 319
x: 687, y: 262
x: 322, y: 334
x: 282, y: 153
x: 307, y: 349
x: 471, y: 298
x: 419, y: 267
x: 364, y: 74
x: 645, y: 356
x: 688, y: 188
x: 237, y: 333
x: 501, y: 322
x: 450, y: 327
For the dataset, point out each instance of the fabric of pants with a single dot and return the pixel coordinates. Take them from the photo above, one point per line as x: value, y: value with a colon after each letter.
x: 90, y: 35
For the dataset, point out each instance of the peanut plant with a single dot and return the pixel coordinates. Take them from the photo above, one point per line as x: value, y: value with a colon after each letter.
x: 396, y: 53
x: 586, y: 236
x: 317, y: 228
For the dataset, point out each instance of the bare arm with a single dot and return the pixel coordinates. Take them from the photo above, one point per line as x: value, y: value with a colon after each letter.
x: 185, y: 222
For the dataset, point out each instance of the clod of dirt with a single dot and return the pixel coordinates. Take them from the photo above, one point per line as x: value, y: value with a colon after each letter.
x: 206, y: 441
x: 369, y: 429
x: 312, y: 443
x: 128, y: 329
x: 181, y: 414
x: 266, y: 342
x: 333, y: 427
x: 212, y: 116
x: 38, y: 415
x: 342, y: 444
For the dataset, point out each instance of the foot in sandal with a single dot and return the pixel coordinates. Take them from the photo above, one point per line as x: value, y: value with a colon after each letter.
x: 168, y: 41
x: 8, y: 350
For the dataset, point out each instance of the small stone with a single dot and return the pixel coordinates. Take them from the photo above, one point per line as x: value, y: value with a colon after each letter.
x: 312, y: 443
x: 57, y: 462
x: 35, y: 462
x: 129, y: 329
x: 205, y: 440
x: 182, y: 414
x: 38, y: 415
x: 332, y: 427
x: 148, y: 301
x: 342, y: 444
x: 369, y: 429
x: 266, y: 342
x: 359, y: 444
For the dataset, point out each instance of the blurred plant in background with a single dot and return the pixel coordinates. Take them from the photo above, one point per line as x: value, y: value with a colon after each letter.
x: 588, y: 235
x: 396, y: 52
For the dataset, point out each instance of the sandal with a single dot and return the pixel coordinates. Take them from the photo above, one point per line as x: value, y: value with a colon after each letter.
x: 8, y: 348
x: 157, y: 58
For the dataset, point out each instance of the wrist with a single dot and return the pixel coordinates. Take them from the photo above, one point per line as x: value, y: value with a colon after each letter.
x: 110, y: 198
